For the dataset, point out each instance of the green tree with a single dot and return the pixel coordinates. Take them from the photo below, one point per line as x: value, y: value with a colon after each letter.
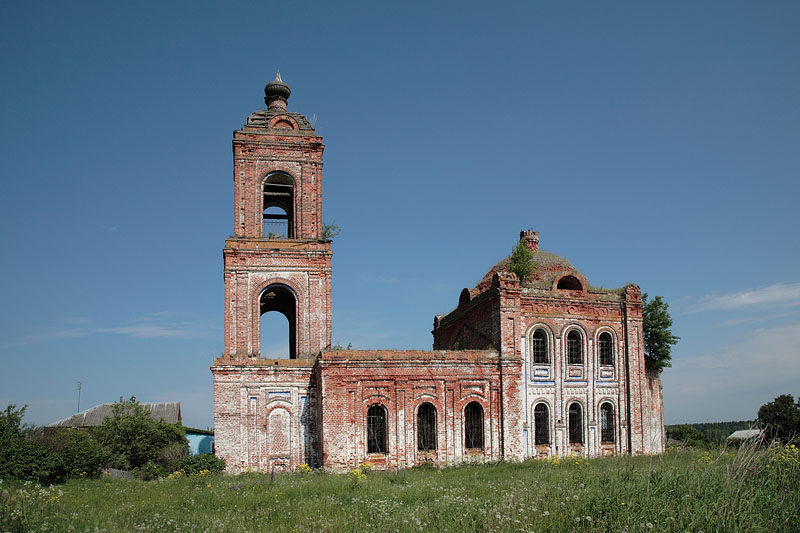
x: 22, y: 458
x: 521, y: 261
x: 79, y: 450
x: 780, y: 419
x: 658, y: 338
x: 688, y: 435
x: 11, y: 427
x: 135, y: 437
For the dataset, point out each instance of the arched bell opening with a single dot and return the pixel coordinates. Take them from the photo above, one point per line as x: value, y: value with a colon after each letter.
x: 278, y: 220
x: 278, y: 299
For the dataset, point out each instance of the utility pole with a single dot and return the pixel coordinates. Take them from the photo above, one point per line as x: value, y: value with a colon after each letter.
x: 79, y: 398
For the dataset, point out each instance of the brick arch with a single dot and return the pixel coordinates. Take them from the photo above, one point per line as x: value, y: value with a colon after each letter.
x: 301, y: 297
x: 551, y: 341
x: 543, y: 400
x: 574, y: 274
x: 253, y: 190
x: 375, y: 398
x: 584, y: 341
x: 606, y: 328
x: 278, y: 403
x: 279, y: 430
x: 439, y: 420
x: 368, y: 404
x: 486, y: 430
x: 275, y: 121
x: 606, y: 399
x: 268, y: 173
x: 551, y: 418
x: 615, y: 418
x: 584, y: 419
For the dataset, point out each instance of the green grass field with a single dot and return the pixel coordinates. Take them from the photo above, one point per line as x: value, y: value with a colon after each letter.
x: 754, y: 490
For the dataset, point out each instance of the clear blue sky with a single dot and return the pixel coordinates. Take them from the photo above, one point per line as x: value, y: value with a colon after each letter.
x: 650, y: 142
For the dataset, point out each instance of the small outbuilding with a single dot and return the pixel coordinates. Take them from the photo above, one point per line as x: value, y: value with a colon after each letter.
x: 169, y: 412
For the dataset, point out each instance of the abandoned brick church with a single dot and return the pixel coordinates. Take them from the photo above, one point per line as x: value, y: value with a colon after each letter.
x: 564, y: 373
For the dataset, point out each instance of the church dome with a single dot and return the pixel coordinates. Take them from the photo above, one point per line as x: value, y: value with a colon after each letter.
x: 276, y: 93
x: 547, y: 268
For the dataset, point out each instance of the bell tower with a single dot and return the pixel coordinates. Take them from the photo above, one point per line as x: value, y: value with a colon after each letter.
x: 277, y: 258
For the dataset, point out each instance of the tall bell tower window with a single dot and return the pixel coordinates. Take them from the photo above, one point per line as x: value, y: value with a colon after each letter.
x: 278, y: 206
x: 281, y: 299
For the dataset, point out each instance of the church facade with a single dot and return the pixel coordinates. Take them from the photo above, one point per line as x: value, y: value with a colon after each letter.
x: 549, y: 366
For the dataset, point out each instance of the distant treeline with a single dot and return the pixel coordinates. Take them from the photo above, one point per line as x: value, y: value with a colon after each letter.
x: 709, y: 433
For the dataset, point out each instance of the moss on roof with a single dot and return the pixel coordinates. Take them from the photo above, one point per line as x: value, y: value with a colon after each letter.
x: 547, y: 267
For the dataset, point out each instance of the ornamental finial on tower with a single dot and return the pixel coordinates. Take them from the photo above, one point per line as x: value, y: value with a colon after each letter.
x: 276, y: 93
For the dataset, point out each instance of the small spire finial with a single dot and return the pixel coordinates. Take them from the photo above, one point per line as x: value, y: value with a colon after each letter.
x: 276, y: 93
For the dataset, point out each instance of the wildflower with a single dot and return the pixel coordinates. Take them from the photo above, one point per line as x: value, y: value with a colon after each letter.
x: 649, y: 525
x: 622, y: 503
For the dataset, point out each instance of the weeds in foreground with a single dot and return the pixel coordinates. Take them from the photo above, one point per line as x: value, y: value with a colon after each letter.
x: 750, y: 489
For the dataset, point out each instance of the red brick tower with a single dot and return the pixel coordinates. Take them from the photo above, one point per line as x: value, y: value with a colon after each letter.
x: 277, y: 259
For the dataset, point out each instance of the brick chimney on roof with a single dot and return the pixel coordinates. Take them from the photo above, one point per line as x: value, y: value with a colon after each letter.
x: 531, y: 239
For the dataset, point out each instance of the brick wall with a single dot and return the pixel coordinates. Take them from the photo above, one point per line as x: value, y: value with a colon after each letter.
x: 401, y: 381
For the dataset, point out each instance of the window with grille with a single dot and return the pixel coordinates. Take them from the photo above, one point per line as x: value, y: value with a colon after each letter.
x: 574, y: 348
x: 606, y: 348
x: 541, y: 424
x: 473, y: 426
x: 607, y: 422
x: 575, y: 424
x: 376, y: 429
x: 426, y: 428
x: 540, y: 355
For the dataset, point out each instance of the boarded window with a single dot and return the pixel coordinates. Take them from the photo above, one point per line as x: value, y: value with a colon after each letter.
x: 473, y: 426
x: 607, y: 423
x: 606, y: 348
x: 574, y: 348
x: 426, y: 428
x: 575, y: 424
x: 541, y: 424
x: 540, y: 355
x: 376, y: 429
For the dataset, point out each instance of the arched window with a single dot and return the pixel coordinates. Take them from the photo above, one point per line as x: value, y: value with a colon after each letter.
x: 607, y: 423
x: 278, y: 206
x: 541, y: 424
x: 570, y: 283
x: 281, y: 299
x: 426, y: 428
x: 473, y: 426
x: 575, y: 424
x: 574, y: 348
x: 376, y: 429
x: 605, y: 346
x: 539, y: 346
